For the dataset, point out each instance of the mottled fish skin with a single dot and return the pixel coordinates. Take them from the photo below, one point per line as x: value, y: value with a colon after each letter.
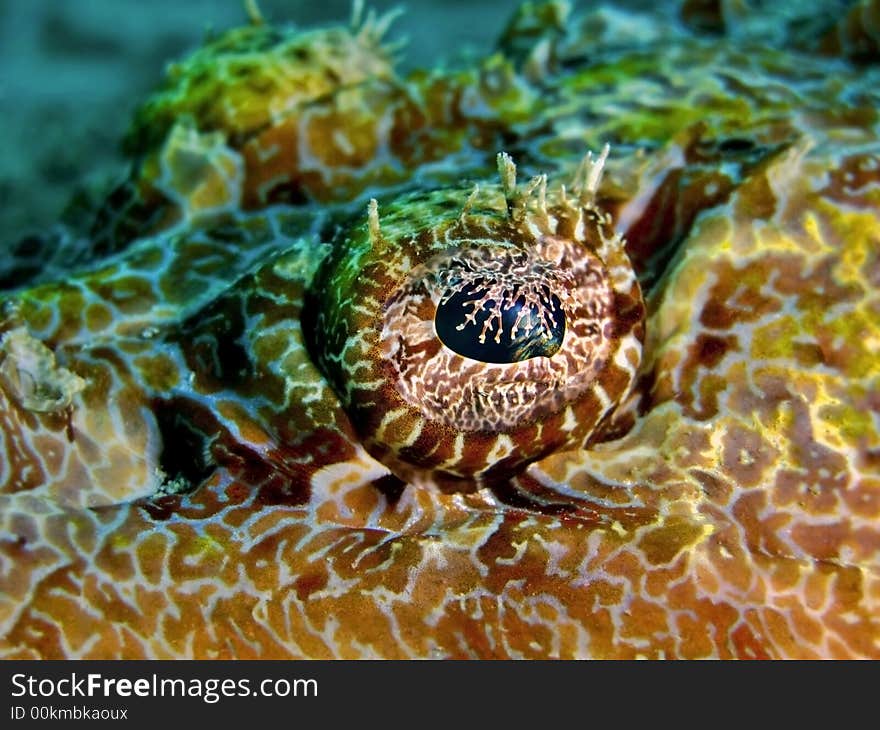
x: 208, y: 445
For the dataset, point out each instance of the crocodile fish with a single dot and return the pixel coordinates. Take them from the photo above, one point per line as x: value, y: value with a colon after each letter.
x: 568, y: 351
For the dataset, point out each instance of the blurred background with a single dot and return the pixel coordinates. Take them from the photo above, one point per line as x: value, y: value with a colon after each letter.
x: 72, y: 72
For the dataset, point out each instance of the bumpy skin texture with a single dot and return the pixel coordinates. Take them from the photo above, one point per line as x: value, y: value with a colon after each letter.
x: 180, y: 478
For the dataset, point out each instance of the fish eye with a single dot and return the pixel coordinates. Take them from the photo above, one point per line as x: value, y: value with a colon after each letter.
x: 499, y: 321
x: 472, y: 336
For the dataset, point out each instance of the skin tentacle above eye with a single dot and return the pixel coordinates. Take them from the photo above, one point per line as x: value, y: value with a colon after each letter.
x: 500, y: 264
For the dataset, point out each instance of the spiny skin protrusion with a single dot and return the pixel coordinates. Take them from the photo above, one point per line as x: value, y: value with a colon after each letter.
x: 373, y: 221
x: 516, y: 200
x: 469, y: 203
x: 373, y: 27
x: 507, y: 173
x: 593, y: 173
x: 252, y: 8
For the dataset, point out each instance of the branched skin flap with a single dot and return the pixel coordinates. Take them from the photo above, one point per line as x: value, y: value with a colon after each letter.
x: 416, y: 402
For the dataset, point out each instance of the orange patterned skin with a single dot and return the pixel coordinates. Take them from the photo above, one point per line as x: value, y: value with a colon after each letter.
x: 210, y: 429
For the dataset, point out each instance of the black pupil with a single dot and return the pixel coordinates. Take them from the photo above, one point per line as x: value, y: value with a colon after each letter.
x: 536, y: 335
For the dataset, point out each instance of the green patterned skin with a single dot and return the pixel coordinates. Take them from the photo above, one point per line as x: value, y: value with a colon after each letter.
x: 362, y: 364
